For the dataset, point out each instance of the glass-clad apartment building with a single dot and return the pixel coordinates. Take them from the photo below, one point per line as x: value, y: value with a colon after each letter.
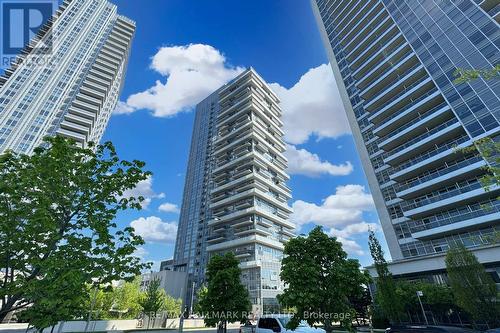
x: 190, y: 253
x: 235, y: 195
x: 73, y: 89
x: 394, y: 62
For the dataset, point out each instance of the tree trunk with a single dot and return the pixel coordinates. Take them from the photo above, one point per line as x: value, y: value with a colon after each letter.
x: 7, y: 307
x: 328, y: 326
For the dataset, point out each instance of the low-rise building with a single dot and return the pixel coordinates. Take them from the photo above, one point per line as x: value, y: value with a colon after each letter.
x: 174, y: 283
x: 167, y: 265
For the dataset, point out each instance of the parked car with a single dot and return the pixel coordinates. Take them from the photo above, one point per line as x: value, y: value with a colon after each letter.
x: 277, y: 324
x: 428, y: 329
x: 247, y: 328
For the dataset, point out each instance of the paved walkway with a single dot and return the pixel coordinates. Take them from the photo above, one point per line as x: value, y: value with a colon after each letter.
x: 21, y: 328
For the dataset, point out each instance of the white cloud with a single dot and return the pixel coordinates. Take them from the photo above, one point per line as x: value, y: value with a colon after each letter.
x: 153, y: 229
x: 354, y: 229
x: 343, y: 235
x: 344, y: 207
x: 123, y: 108
x: 168, y: 207
x: 140, y: 252
x: 350, y: 246
x: 144, y: 188
x: 192, y: 72
x: 303, y: 162
x: 341, y: 214
x: 312, y: 107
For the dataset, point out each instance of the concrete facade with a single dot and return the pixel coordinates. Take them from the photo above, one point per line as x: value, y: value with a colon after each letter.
x: 235, y: 196
x: 174, y: 283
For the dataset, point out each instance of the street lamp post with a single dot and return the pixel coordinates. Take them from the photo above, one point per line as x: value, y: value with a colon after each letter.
x: 192, y: 299
x: 181, y: 319
x: 420, y: 293
x: 92, y: 304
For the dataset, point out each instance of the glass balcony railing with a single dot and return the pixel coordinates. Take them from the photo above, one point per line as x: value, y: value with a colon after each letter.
x: 406, y: 107
x: 495, y: 10
x: 484, y: 208
x: 360, y: 17
x: 415, y: 120
x: 397, y: 78
x: 383, y: 53
x: 406, y: 90
x: 438, y: 173
x: 371, y: 31
x: 432, y: 152
x: 389, y: 68
x: 420, y: 203
x: 423, y: 136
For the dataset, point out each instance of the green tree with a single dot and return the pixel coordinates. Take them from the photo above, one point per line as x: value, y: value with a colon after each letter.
x: 126, y: 300
x: 57, y: 208
x: 320, y: 280
x: 489, y: 148
x: 361, y: 303
x: 103, y: 302
x: 437, y: 298
x: 226, y: 299
x: 61, y: 299
x: 172, y: 306
x: 473, y: 288
x: 465, y: 75
x: 153, y: 300
x: 386, y: 296
x: 200, y: 295
x: 490, y: 151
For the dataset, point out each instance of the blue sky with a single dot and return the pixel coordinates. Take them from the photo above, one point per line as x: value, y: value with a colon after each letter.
x: 181, y: 50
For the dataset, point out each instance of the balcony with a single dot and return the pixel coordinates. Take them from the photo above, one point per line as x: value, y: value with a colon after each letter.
x: 391, y: 75
x: 478, y: 216
x: 254, y: 229
x: 74, y: 118
x: 404, y: 101
x: 438, y: 178
x: 471, y: 192
x: 377, y: 59
x: 76, y: 127
x: 357, y: 21
x: 418, y: 125
x: 73, y: 135
x: 246, y: 240
x: 378, y: 27
x: 420, y: 144
x: 410, y: 80
x: 421, y: 139
x: 231, y: 197
x: 429, y: 158
x: 234, y: 132
x: 85, y: 106
x: 231, y: 162
x: 385, y: 64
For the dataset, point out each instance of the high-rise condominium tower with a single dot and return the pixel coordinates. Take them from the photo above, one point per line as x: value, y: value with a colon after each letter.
x: 235, y: 196
x: 72, y: 90
x: 394, y: 63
